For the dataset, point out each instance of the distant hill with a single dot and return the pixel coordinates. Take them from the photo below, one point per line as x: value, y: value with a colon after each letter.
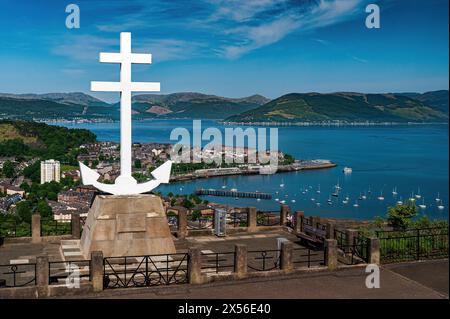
x: 436, y: 99
x: 80, y: 105
x: 193, y: 105
x: 342, y: 106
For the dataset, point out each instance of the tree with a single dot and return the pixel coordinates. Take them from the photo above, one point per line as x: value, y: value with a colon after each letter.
x: 196, y: 214
x: 137, y: 163
x: 400, y: 216
x: 9, y: 169
x: 187, y: 203
x: 44, y: 209
x: 23, y: 211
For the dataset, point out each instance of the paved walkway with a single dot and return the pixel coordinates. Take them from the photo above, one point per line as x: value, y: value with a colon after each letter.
x: 412, y: 280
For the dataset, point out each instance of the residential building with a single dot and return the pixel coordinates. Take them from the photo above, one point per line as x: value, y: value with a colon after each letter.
x: 50, y: 171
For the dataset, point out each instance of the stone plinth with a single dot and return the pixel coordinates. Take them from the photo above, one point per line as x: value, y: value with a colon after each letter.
x: 131, y: 225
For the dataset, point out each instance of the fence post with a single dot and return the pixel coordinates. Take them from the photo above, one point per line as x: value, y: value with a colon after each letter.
x: 418, y: 244
x: 330, y: 230
x: 97, y: 270
x: 314, y: 220
x: 195, y: 265
x: 76, y: 226
x: 351, y: 234
x: 331, y: 253
x: 240, y: 260
x: 284, y: 211
x: 298, y: 219
x: 374, y: 250
x: 35, y: 228
x: 286, y: 258
x: 42, y: 275
x: 182, y: 223
x: 251, y: 219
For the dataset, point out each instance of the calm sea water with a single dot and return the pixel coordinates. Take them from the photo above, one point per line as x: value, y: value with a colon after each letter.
x: 410, y: 158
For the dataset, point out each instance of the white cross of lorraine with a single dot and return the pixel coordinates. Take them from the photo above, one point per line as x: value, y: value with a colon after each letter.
x: 125, y: 87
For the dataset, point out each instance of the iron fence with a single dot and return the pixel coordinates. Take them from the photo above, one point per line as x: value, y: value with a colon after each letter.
x: 307, y: 257
x: 237, y: 219
x: 341, y: 238
x: 263, y: 260
x: 218, y: 262
x: 356, y: 252
x: 18, y: 275
x: 52, y: 227
x: 413, y: 244
x: 267, y: 218
x: 61, y: 271
x: 143, y: 271
x: 12, y: 228
x: 200, y: 223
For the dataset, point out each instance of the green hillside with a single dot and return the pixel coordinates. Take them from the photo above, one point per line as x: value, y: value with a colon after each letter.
x: 435, y: 99
x: 315, y: 107
x: 31, y: 139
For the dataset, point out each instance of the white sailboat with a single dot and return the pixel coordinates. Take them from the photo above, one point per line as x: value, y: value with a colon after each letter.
x: 394, y: 191
x: 318, y: 190
x: 345, y: 202
x: 441, y: 205
x: 293, y: 201
x: 418, y: 196
x: 329, y: 201
x: 364, y: 196
x: 356, y: 204
x: 381, y: 197
x: 337, y: 186
x: 423, y: 206
x: 438, y: 198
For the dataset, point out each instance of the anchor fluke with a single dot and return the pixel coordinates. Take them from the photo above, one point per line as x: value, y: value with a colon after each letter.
x: 162, y: 173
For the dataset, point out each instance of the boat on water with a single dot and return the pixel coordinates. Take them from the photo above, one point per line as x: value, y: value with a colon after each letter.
x: 318, y: 190
x: 345, y: 202
x: 283, y: 202
x: 329, y: 201
x: 258, y: 199
x: 277, y: 199
x: 399, y: 202
x: 224, y: 186
x: 364, y: 196
x: 438, y: 198
x: 441, y: 205
x: 423, y: 206
x: 318, y: 204
x: 356, y: 204
x: 293, y: 201
x: 337, y: 186
x: 233, y: 189
x: 347, y: 197
x: 394, y: 191
x: 281, y: 185
x: 347, y: 170
x: 418, y: 196
x: 313, y: 199
x: 381, y: 197
x: 335, y: 194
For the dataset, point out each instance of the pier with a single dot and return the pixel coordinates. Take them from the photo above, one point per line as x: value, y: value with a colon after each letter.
x: 230, y: 193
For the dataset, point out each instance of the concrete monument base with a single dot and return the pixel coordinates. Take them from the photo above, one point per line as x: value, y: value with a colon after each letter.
x: 127, y: 225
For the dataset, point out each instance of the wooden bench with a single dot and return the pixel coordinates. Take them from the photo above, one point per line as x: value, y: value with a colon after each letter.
x: 312, y: 235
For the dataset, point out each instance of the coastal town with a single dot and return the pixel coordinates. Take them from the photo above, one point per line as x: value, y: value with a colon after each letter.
x: 104, y: 157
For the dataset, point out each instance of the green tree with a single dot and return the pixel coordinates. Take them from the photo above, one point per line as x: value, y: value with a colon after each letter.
x: 137, y: 163
x: 187, y: 203
x: 44, y: 209
x: 24, y: 211
x: 400, y: 216
x: 9, y: 169
x: 196, y: 214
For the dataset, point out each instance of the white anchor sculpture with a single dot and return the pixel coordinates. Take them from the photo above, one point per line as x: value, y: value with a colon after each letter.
x: 125, y: 183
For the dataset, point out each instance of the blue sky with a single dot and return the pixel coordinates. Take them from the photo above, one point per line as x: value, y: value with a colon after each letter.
x: 230, y: 48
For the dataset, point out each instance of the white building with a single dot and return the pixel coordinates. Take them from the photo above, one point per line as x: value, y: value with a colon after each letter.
x: 50, y: 171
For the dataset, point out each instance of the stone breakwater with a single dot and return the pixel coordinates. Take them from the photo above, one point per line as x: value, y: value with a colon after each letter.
x: 253, y: 170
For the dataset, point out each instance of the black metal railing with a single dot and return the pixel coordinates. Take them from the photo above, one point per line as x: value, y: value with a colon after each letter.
x: 200, y: 223
x: 413, y: 244
x: 356, y: 252
x: 63, y: 271
x: 267, y: 218
x: 52, y: 227
x: 341, y: 238
x: 218, y: 262
x: 143, y: 271
x: 263, y: 260
x: 12, y: 228
x: 18, y: 275
x: 237, y: 219
x: 306, y: 257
